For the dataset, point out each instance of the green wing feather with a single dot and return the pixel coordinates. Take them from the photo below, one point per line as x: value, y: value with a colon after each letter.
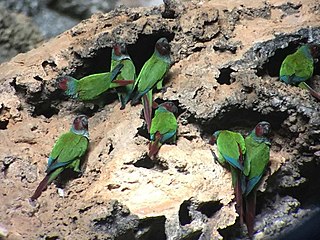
x: 298, y: 65
x: 92, y: 86
x: 151, y: 73
x: 228, y: 143
x: 256, y: 161
x: 68, y: 148
x: 163, y: 122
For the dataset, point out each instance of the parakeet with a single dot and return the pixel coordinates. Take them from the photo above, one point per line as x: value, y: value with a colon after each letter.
x: 298, y: 67
x: 151, y: 76
x: 255, y: 163
x: 66, y: 153
x: 93, y: 86
x: 163, y: 127
x: 231, y: 150
x: 128, y: 72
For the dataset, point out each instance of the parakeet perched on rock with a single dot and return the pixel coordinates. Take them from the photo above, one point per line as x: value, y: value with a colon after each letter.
x: 163, y: 127
x: 93, y: 86
x: 128, y: 72
x: 151, y: 76
x: 298, y: 67
x: 255, y: 163
x: 231, y: 150
x: 66, y: 153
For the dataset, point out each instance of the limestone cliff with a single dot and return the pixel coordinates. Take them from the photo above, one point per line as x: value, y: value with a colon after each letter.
x: 226, y: 57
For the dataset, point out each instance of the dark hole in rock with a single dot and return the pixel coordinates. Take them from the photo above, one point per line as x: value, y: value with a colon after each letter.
x: 145, y: 162
x: 232, y: 232
x: 99, y: 62
x: 111, y: 147
x: 151, y: 228
x: 308, y: 229
x: 46, y: 109
x: 273, y: 64
x: 209, y: 208
x: 125, y: 236
x: 193, y: 236
x: 4, y: 124
x: 142, y: 50
x: 244, y: 118
x: 308, y: 193
x: 184, y: 216
x: 52, y: 238
x: 225, y: 76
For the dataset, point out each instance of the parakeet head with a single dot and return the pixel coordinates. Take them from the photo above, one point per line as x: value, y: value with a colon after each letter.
x: 62, y: 82
x: 120, y: 49
x: 314, y: 50
x: 262, y: 129
x: 162, y: 46
x: 80, y: 123
x: 213, y: 138
x: 170, y: 106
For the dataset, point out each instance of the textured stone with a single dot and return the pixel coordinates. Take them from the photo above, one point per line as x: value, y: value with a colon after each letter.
x: 224, y: 76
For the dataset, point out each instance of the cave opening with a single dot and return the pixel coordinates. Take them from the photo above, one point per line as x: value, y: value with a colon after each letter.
x: 151, y: 228
x: 193, y: 236
x: 273, y: 64
x: 45, y: 108
x: 225, y: 76
x: 209, y: 208
x: 184, y: 215
x: 145, y: 162
x: 243, y: 120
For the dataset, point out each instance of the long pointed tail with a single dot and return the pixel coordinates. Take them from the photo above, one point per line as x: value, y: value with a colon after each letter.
x: 250, y: 212
x: 68, y: 85
x: 313, y: 93
x: 45, y: 182
x: 237, y: 185
x: 147, y: 108
x: 154, y: 146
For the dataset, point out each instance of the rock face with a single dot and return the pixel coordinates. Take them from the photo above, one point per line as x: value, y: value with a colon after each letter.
x: 226, y: 59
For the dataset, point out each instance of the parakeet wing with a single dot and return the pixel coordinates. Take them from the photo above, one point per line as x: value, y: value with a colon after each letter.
x: 68, y: 147
x: 228, y: 145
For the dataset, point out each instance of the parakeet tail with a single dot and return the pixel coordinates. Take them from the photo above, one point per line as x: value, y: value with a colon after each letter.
x: 120, y: 83
x: 68, y: 85
x: 239, y: 199
x: 237, y: 186
x: 147, y: 108
x: 313, y: 93
x: 250, y: 212
x: 43, y: 184
x: 154, y: 146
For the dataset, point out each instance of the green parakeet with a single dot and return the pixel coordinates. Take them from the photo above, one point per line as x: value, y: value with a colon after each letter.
x: 66, y: 153
x: 255, y: 163
x: 163, y: 127
x: 298, y: 67
x: 231, y: 150
x: 150, y: 76
x: 93, y: 86
x: 128, y: 72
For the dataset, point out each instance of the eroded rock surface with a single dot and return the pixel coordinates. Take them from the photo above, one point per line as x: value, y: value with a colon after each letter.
x: 224, y: 76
